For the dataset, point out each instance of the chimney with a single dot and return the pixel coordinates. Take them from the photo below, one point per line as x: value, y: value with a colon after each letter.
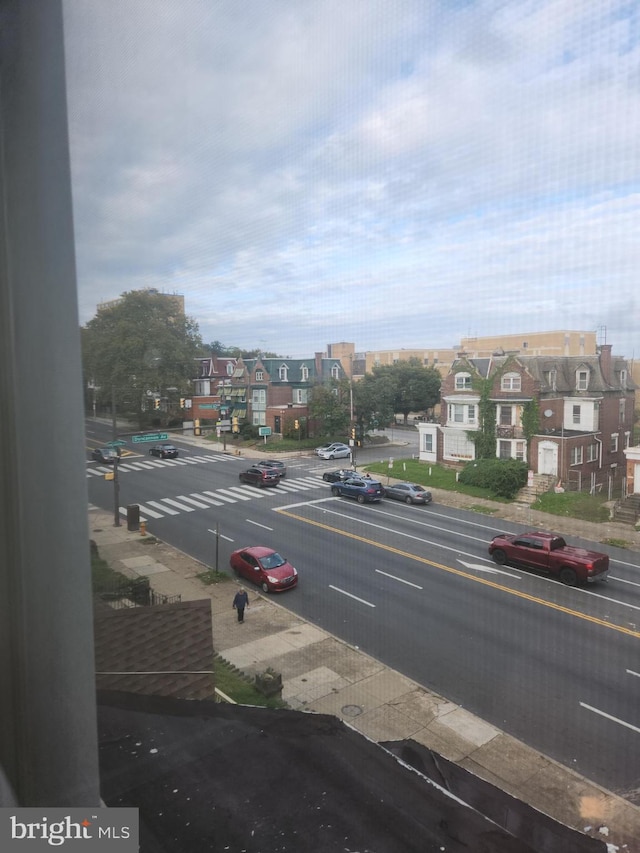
x: 604, y: 352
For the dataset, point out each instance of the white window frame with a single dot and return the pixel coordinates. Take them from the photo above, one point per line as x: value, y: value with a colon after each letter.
x: 582, y: 380
x: 575, y: 415
x: 259, y: 375
x: 511, y: 382
x: 304, y: 372
x: 428, y: 442
x: 614, y: 442
x: 283, y: 372
x: 576, y: 456
x: 592, y: 452
x: 463, y: 382
x: 335, y: 371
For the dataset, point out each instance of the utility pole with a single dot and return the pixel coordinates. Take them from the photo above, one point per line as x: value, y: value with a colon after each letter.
x: 116, y: 493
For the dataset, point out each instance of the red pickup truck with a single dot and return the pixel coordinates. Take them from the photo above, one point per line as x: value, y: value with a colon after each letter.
x: 549, y: 553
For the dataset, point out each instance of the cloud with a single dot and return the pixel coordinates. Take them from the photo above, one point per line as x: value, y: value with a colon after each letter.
x: 395, y: 174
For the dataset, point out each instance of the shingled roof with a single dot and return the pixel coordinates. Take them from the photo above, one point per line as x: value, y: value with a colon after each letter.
x: 165, y: 650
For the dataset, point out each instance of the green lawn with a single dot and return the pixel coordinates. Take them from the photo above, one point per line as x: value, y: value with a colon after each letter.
x: 430, y: 476
x: 573, y: 505
x: 239, y: 688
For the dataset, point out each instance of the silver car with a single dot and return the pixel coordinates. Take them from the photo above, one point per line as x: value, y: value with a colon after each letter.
x: 410, y: 493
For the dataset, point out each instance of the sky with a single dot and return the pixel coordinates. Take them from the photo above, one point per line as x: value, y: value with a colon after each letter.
x: 394, y: 173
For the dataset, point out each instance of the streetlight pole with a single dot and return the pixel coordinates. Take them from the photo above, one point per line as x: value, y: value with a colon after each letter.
x: 116, y: 493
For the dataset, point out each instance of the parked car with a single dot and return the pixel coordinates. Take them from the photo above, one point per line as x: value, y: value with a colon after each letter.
x: 410, y: 493
x: 336, y: 451
x: 364, y: 490
x: 164, y: 451
x: 106, y: 455
x: 339, y: 476
x: 274, y: 464
x: 549, y: 553
x: 264, y: 567
x: 260, y: 476
x: 327, y: 448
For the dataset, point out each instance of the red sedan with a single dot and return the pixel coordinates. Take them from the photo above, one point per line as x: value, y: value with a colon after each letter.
x: 264, y: 567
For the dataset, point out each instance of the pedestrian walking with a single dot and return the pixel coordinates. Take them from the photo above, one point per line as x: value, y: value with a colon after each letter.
x: 240, y: 601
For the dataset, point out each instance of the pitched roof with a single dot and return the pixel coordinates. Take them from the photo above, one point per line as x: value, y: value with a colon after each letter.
x: 166, y: 650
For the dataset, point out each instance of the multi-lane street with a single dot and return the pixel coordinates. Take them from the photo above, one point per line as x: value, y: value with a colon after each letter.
x: 413, y: 586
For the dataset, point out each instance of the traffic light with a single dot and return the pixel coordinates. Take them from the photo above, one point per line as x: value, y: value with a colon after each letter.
x: 353, y: 432
x: 296, y: 424
x: 156, y: 404
x: 182, y: 402
x: 234, y: 424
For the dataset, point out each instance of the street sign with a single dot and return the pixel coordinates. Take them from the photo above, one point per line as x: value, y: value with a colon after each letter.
x: 264, y: 430
x: 154, y: 436
x: 117, y: 443
x: 209, y: 405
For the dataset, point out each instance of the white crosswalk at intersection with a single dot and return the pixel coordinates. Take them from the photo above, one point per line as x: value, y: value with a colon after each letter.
x: 219, y: 497
x: 128, y: 464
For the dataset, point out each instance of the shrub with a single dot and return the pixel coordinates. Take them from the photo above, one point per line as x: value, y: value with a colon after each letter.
x: 504, y: 477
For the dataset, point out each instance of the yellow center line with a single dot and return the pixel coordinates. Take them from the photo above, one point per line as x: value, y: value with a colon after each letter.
x: 525, y: 595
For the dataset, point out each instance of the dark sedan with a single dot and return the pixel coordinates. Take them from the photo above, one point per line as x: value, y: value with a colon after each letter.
x: 339, y: 476
x: 410, y: 493
x: 106, y: 455
x: 264, y: 567
x: 260, y: 476
x: 164, y: 451
x: 274, y: 464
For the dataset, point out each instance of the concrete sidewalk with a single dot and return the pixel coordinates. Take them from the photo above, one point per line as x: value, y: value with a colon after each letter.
x: 320, y: 673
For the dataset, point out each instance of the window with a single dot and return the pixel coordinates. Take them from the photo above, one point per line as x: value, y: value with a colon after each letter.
x: 458, y: 414
x: 511, y: 382
x: 576, y: 414
x: 283, y: 371
x: 627, y: 439
x: 463, y: 381
x: 259, y: 375
x: 300, y: 395
x: 506, y: 415
x: 229, y: 368
x: 576, y: 456
x: 428, y: 442
x: 622, y: 407
x: 614, y: 443
x: 304, y: 370
x: 335, y: 371
x: 592, y: 452
x: 259, y: 398
x: 582, y: 380
x: 471, y: 413
x: 623, y: 378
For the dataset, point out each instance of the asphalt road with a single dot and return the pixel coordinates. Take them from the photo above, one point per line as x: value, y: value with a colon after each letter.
x: 554, y: 666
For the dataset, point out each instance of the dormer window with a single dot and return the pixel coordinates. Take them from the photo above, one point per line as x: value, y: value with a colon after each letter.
x: 511, y: 382
x: 582, y: 380
x: 304, y: 370
x: 463, y: 381
x: 259, y: 375
x: 623, y: 378
x: 229, y: 368
x: 335, y: 371
x: 283, y: 370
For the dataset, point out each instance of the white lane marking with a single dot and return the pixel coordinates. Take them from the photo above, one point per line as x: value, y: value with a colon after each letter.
x: 144, y: 508
x: 491, y: 570
x: 183, y: 507
x: 188, y: 461
x: 610, y: 717
x: 344, y: 592
x: 199, y: 504
x: 257, y: 524
x: 166, y: 509
x: 401, y: 580
x: 221, y: 535
x: 252, y: 491
x: 234, y: 493
x: 631, y: 672
x: 303, y: 503
x: 220, y: 494
x: 200, y: 497
x: 623, y: 580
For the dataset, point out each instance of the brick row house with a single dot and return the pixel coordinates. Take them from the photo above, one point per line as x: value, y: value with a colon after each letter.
x: 569, y: 417
x: 210, y: 387
x: 275, y: 392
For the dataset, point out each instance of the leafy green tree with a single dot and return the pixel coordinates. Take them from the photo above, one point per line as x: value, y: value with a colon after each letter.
x: 373, y: 397
x: 220, y: 349
x: 138, y: 349
x: 407, y: 386
x: 329, y: 409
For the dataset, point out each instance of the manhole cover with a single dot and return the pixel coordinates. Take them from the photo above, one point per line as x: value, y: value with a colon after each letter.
x: 351, y: 710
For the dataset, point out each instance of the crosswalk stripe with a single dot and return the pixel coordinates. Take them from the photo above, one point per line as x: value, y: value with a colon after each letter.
x: 165, y: 509
x: 234, y: 493
x: 205, y: 498
x: 222, y: 497
x: 216, y: 495
x: 193, y: 501
x: 252, y: 491
x: 178, y: 504
x: 147, y: 511
x: 188, y: 461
